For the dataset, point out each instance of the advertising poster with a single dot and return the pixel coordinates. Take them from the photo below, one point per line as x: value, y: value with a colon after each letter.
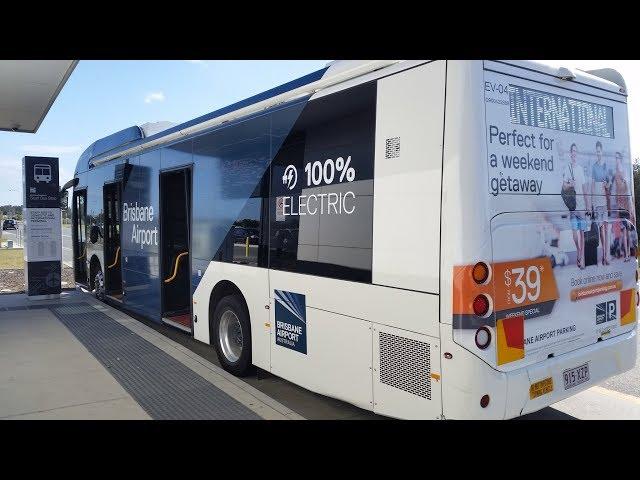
x: 563, y: 231
x: 43, y: 230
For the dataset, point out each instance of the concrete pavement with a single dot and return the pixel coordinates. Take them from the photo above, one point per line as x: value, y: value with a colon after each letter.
x: 48, y: 374
x: 48, y: 371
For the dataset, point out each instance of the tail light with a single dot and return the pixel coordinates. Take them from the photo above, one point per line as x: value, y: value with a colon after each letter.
x: 483, y: 338
x: 481, y: 305
x: 480, y: 273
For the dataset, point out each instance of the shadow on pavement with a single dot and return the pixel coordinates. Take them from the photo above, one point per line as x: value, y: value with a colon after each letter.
x: 547, y: 413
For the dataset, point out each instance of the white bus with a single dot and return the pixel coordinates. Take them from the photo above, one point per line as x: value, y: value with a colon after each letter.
x: 422, y: 239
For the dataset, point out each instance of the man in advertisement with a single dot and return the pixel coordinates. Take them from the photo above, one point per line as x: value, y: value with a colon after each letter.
x: 599, y: 190
x: 573, y: 176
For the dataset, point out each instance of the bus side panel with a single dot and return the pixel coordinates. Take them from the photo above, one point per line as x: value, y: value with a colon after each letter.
x: 332, y: 354
x: 408, y: 163
x: 341, y: 338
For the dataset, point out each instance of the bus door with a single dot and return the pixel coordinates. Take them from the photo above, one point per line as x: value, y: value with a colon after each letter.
x: 79, y: 236
x: 175, y: 240
x: 112, y: 252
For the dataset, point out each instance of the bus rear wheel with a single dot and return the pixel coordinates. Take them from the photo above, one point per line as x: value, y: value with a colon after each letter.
x: 231, y: 335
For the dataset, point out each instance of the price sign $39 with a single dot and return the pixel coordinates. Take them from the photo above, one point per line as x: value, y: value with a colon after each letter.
x: 523, y: 283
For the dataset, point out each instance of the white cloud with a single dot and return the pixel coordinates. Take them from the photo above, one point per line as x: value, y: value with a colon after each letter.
x: 154, y: 97
x: 198, y: 62
x: 51, y: 149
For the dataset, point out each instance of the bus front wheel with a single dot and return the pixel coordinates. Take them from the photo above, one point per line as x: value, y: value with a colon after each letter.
x: 231, y: 335
x: 98, y: 283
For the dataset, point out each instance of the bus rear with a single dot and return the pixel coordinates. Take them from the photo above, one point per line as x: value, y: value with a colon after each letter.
x: 543, y: 258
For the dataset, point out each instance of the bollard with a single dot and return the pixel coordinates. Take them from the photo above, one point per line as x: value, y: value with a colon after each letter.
x: 246, y: 247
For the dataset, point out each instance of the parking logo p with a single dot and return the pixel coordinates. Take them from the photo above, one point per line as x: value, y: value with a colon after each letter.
x: 606, y: 311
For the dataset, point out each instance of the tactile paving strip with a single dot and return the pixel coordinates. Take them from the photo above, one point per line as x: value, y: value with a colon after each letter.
x: 165, y: 388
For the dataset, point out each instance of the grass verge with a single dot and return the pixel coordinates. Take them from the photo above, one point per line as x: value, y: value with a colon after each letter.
x: 11, y: 258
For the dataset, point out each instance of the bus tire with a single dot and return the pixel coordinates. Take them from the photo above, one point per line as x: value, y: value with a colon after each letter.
x: 231, y: 335
x: 98, y: 283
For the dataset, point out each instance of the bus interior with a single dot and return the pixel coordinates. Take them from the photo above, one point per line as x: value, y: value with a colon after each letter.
x: 175, y: 239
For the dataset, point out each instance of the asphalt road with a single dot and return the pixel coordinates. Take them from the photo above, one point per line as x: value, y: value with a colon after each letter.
x: 13, y: 235
x: 67, y: 246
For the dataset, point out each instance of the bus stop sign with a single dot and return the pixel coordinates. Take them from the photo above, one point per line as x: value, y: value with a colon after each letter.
x: 43, y: 230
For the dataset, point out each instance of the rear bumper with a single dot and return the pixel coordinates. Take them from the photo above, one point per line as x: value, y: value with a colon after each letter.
x: 605, y: 359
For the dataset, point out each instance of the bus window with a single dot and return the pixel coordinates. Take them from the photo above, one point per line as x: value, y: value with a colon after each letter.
x: 321, y: 203
x: 233, y: 169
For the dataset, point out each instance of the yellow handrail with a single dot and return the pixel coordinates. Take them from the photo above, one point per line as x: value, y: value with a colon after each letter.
x: 175, y: 268
x: 116, y: 260
x: 83, y: 253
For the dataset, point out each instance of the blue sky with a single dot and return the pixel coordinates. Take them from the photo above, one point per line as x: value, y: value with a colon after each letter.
x: 102, y: 97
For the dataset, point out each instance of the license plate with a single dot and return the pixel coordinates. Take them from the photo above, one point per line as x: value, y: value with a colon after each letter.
x: 575, y: 376
x: 541, y: 388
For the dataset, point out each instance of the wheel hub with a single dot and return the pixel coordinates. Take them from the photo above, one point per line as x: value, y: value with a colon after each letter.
x: 230, y: 334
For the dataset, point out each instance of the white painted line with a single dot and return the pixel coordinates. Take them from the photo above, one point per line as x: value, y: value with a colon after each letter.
x: 598, y: 403
x: 614, y: 393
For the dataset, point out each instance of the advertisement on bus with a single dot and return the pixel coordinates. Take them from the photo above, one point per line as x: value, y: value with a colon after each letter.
x: 563, y: 232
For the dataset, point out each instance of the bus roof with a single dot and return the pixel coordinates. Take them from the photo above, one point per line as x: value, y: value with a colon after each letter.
x: 133, y: 139
x: 134, y: 136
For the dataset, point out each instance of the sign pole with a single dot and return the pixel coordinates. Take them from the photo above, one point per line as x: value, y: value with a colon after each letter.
x: 42, y: 227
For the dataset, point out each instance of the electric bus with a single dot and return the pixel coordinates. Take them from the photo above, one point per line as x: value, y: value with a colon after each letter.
x: 422, y: 239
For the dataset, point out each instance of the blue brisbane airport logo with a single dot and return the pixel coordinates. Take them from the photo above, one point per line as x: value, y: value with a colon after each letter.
x: 291, y: 320
x: 606, y: 312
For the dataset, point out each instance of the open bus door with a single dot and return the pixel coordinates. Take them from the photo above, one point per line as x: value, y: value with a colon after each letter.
x: 79, y: 236
x: 112, y: 251
x: 175, y: 240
